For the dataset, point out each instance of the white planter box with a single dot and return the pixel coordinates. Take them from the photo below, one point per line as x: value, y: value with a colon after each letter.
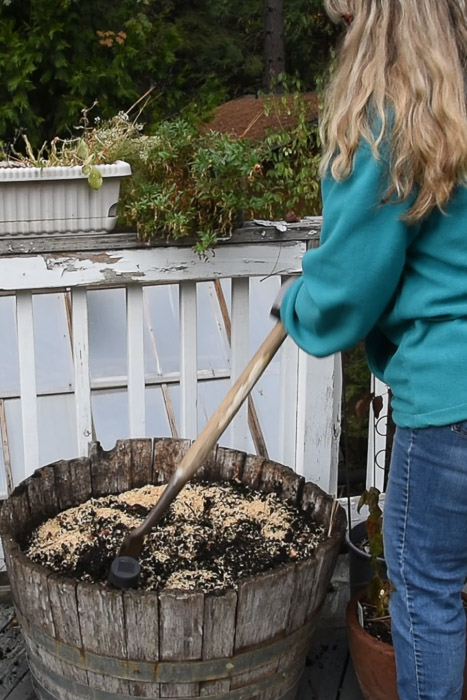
x: 58, y: 199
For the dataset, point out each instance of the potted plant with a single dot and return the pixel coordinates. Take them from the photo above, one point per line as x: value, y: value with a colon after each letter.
x: 365, y: 545
x: 191, y: 182
x: 68, y: 186
x: 368, y: 618
x: 364, y: 539
x: 188, y: 181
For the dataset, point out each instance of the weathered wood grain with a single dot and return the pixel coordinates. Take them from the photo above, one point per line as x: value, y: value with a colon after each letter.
x: 42, y: 497
x: 113, y: 268
x: 294, y: 656
x: 281, y: 480
x: 304, y: 583
x: 24, y: 690
x: 209, y: 470
x: 103, y: 631
x: 64, y: 609
x: 263, y: 606
x: 219, y: 625
x: 328, y: 674
x: 172, y: 626
x: 218, y: 636
x: 252, y: 471
x: 168, y: 454
x: 36, y: 610
x: 141, y: 462
x: 32, y: 592
x: 141, y: 611
x: 48, y: 666
x: 72, y: 482
x: 223, y: 464
x: 11, y: 551
x: 181, y: 617
x: 15, y: 513
x: 326, y: 560
x: 308, y: 229
x: 66, y: 618
x: 316, y: 503
x: 266, y: 670
x: 110, y: 470
x: 290, y: 681
x: 13, y: 663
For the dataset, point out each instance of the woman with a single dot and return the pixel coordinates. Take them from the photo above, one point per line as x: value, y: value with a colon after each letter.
x: 392, y: 268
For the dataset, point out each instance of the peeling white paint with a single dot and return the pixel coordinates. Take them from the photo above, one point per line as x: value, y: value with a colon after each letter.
x: 150, y: 266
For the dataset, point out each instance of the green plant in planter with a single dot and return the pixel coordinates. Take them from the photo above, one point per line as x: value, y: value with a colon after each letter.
x: 378, y: 590
x: 200, y: 184
x: 369, y: 623
x: 190, y: 183
x: 186, y: 184
x: 368, y: 620
x: 92, y: 146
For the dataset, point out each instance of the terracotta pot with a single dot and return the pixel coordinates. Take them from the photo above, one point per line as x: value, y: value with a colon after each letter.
x: 373, y: 660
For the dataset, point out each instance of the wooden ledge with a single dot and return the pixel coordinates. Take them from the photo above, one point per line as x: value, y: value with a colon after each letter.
x: 308, y: 229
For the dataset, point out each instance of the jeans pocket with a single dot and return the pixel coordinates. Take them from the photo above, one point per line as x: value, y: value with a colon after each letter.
x: 460, y: 428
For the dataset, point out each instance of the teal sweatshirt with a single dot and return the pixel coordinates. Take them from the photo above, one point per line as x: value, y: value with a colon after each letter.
x: 401, y: 288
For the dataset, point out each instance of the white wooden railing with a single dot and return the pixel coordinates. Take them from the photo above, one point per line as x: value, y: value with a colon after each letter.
x: 304, y: 414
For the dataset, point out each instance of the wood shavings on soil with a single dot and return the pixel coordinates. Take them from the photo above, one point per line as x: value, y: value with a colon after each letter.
x: 212, y: 535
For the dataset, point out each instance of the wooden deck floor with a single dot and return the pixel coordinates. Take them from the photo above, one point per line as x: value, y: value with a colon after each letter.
x: 328, y: 674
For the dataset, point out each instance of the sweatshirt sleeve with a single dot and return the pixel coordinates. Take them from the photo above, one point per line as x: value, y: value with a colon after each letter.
x: 350, y: 279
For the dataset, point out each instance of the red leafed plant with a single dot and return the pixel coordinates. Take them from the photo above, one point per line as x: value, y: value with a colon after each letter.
x: 378, y: 589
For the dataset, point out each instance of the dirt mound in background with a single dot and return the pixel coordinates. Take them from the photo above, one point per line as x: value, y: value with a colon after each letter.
x: 244, y: 117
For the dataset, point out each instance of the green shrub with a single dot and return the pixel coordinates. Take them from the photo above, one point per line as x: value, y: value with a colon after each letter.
x: 188, y: 183
x: 57, y: 57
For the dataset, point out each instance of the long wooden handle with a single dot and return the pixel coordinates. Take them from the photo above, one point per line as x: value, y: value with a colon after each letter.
x: 207, y: 439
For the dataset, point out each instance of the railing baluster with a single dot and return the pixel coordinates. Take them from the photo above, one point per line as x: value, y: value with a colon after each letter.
x: 318, y: 419
x: 80, y: 334
x: 164, y: 387
x: 135, y: 361
x: 240, y: 354
x: 288, y: 403
x: 7, y: 478
x: 27, y: 378
x: 188, y: 361
x: 225, y: 328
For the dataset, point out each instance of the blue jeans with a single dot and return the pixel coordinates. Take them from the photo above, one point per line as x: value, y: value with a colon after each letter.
x: 425, y: 544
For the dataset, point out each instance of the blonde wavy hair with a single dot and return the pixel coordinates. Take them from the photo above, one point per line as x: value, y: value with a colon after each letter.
x: 403, y: 61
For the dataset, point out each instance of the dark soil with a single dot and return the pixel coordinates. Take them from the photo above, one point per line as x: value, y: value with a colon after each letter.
x: 245, y: 117
x: 378, y: 628
x: 212, y: 536
x: 381, y: 629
